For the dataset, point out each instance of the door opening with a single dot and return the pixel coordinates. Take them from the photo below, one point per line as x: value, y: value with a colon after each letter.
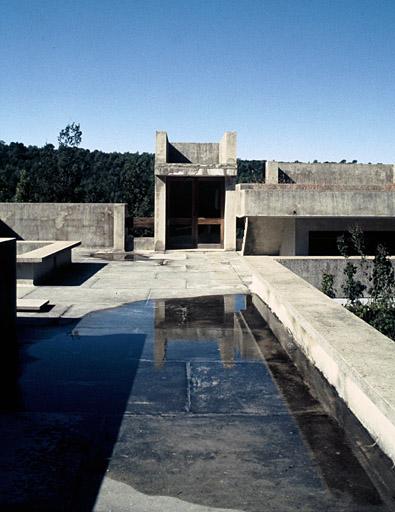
x: 195, y: 213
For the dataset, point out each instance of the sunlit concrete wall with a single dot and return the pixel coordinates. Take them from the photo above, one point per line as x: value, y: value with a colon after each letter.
x: 94, y: 224
x: 329, y: 173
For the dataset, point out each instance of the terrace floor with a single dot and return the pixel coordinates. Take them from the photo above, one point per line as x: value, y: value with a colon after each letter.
x: 124, y: 401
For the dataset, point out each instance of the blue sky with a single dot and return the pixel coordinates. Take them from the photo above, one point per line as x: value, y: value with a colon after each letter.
x: 296, y: 79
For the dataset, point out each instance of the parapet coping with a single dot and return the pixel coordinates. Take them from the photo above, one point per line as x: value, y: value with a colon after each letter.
x: 48, y: 250
x: 266, y: 187
x: 353, y: 356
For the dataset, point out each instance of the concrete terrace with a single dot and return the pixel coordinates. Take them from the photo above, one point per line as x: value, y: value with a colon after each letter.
x: 123, y: 406
x: 93, y: 283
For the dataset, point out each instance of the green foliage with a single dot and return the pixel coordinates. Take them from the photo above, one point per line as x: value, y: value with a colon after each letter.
x: 70, y: 136
x: 250, y: 171
x: 378, y: 315
x: 327, y: 285
x: 380, y: 310
x: 383, y: 279
x: 352, y: 288
x: 72, y: 174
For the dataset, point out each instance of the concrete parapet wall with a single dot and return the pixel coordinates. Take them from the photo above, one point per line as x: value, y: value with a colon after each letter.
x: 8, y: 292
x: 312, y: 268
x: 95, y: 224
x: 294, y: 201
x: 194, y: 152
x: 353, y: 357
x: 335, y: 173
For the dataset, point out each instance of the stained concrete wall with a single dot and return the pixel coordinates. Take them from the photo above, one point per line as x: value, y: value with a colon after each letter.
x: 300, y: 200
x: 271, y: 236
x: 94, y: 224
x: 8, y: 292
x: 312, y: 268
x: 196, y: 153
x: 331, y: 173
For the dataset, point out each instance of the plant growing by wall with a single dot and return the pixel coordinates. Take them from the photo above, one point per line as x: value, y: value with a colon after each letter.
x: 379, y: 311
x: 327, y: 285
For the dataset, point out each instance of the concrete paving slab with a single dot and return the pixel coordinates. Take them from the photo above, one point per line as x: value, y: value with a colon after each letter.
x: 234, y: 388
x: 31, y: 304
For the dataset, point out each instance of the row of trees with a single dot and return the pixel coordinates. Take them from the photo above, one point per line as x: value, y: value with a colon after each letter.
x: 72, y: 174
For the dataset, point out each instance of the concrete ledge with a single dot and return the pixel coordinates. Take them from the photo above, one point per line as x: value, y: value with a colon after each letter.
x: 39, y: 264
x: 143, y: 243
x: 354, y: 358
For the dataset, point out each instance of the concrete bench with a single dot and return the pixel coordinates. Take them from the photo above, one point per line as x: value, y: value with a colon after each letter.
x: 36, y: 266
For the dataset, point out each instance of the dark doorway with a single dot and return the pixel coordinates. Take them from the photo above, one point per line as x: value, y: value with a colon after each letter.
x: 195, y: 213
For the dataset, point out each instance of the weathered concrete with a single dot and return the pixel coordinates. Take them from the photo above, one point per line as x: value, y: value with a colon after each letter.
x: 31, y: 304
x: 329, y: 173
x: 95, y: 224
x: 312, y: 268
x: 270, y: 235
x: 302, y: 201
x: 355, y: 358
x: 196, y: 160
x: 7, y: 295
x: 40, y: 264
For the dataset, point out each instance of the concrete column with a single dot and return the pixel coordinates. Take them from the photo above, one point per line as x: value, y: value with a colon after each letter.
x: 119, y: 226
x: 230, y: 214
x: 160, y: 214
x: 271, y: 172
x: 228, y: 149
x: 8, y: 292
x: 161, y: 147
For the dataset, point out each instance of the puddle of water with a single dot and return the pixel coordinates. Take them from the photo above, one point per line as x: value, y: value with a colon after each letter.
x: 189, y: 398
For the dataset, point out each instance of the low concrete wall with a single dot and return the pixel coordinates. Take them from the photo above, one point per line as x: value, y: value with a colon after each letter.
x: 95, y: 224
x: 8, y: 292
x: 143, y: 243
x: 312, y: 268
x: 336, y: 174
x: 353, y: 357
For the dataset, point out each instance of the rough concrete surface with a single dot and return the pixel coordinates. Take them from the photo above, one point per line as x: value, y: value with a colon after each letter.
x: 162, y: 405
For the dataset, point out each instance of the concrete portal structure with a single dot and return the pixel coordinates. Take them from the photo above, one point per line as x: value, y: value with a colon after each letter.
x: 195, y: 203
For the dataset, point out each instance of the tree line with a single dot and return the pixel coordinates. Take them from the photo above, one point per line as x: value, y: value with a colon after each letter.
x: 71, y: 174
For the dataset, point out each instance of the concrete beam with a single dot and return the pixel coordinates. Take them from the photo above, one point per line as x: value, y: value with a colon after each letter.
x: 299, y: 201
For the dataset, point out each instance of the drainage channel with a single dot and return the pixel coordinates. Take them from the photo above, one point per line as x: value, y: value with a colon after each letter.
x: 195, y: 401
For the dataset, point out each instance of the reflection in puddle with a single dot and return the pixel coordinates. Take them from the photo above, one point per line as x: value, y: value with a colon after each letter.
x: 189, y: 398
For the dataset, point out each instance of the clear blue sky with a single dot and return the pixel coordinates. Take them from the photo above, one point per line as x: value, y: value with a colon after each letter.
x: 296, y: 79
